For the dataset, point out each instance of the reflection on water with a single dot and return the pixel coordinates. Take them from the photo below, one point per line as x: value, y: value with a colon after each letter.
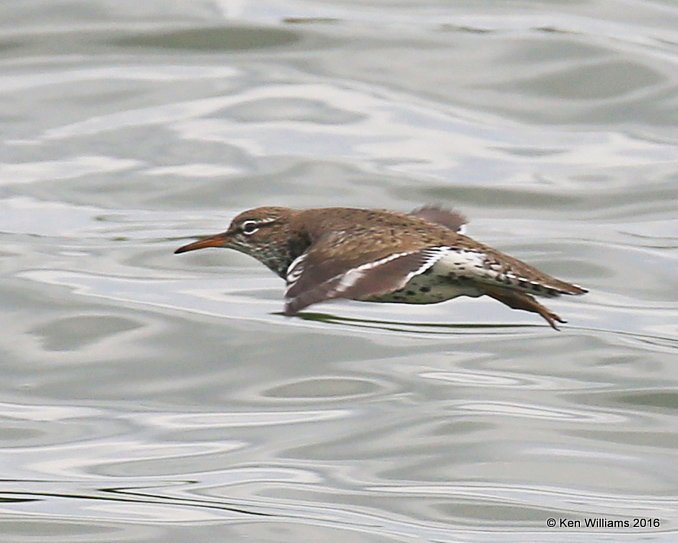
x: 147, y: 397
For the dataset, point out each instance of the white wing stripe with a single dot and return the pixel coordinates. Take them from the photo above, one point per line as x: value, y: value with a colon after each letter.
x: 295, y: 270
x: 349, y: 278
x: 434, y: 254
x: 375, y: 263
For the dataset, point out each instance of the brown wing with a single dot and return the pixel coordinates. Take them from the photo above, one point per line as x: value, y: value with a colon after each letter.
x: 446, y: 217
x: 320, y: 274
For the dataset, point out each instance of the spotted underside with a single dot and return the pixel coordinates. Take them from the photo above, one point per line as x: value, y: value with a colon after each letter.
x: 438, y: 283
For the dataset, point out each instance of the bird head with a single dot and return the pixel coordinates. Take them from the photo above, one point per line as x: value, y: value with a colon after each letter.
x: 261, y: 233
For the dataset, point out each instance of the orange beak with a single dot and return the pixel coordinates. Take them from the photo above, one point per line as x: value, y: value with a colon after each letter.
x: 218, y: 240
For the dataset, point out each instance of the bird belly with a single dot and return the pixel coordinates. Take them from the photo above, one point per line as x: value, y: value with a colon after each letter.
x: 435, y: 285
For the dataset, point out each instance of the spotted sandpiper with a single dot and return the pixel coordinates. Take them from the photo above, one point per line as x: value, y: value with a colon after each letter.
x: 383, y: 256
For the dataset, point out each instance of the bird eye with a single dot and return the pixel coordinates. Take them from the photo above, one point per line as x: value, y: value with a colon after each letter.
x: 249, y: 227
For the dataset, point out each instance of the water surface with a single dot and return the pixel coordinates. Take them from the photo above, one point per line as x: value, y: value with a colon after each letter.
x: 153, y: 397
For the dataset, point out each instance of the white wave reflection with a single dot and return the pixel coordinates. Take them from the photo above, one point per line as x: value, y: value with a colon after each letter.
x: 245, y: 419
x: 532, y: 412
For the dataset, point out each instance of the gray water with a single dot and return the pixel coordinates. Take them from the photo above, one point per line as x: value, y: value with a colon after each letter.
x: 160, y: 398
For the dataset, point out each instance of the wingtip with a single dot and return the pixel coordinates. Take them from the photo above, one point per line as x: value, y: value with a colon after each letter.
x: 450, y: 218
x: 290, y: 310
x: 573, y: 290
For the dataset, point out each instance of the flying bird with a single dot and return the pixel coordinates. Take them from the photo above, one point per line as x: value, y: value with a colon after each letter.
x: 377, y: 255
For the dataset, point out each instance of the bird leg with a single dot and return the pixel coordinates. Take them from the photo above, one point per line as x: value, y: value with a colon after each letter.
x: 525, y: 302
